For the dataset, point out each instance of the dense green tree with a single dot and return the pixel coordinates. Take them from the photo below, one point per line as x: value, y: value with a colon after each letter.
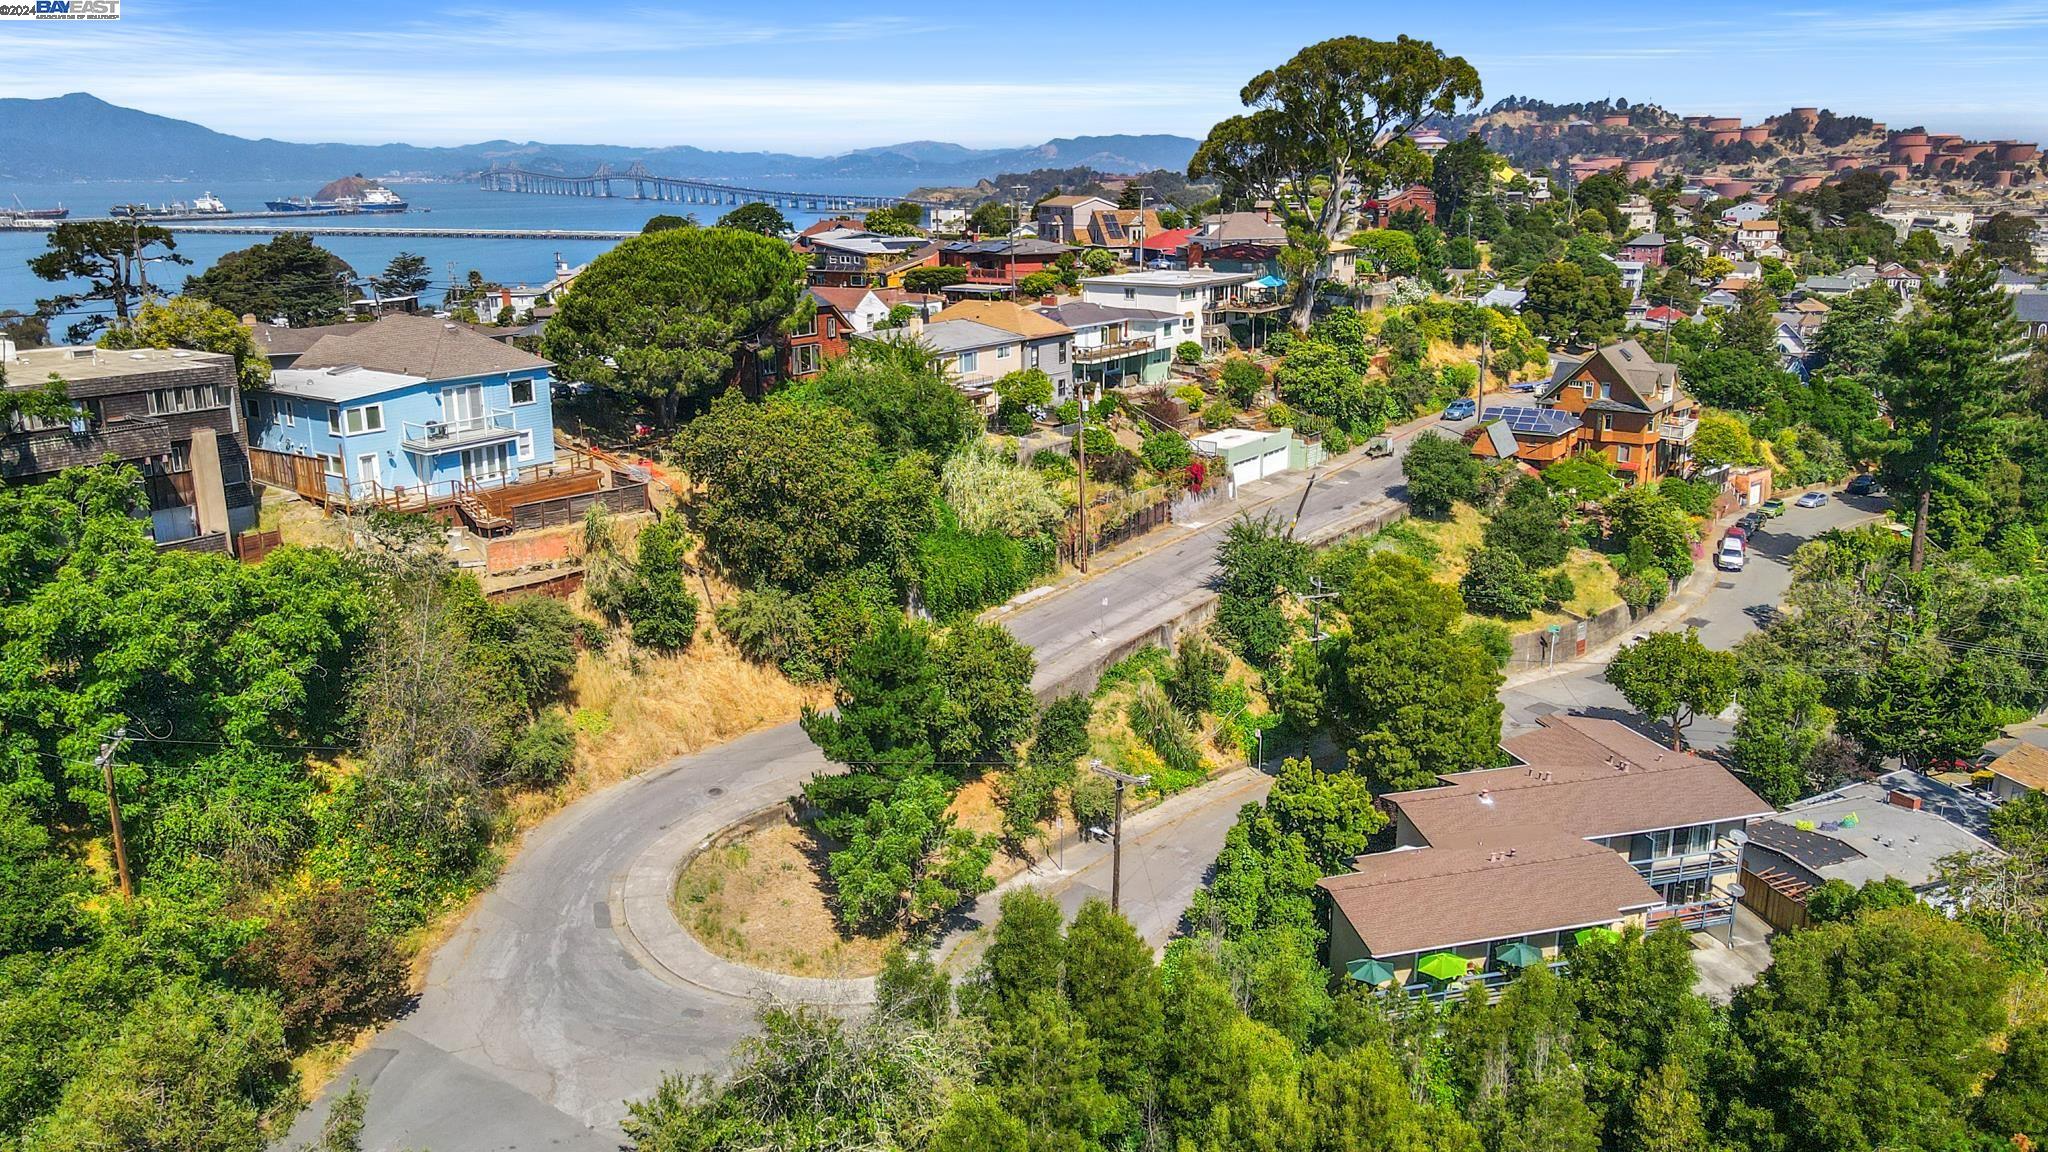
x: 1924, y: 706
x: 288, y: 276
x: 907, y: 862
x: 1497, y: 583
x: 1322, y: 379
x: 794, y: 492
x: 1112, y: 984
x: 764, y: 219
x: 1440, y: 471
x: 1260, y: 564
x: 1530, y: 524
x: 1566, y: 304
x: 189, y: 322
x: 1949, y: 369
x: 326, y: 962
x: 2015, y: 1101
x: 1840, y: 1048
x: 111, y: 257
x: 1025, y: 961
x: 407, y: 274
x: 895, y: 388
x: 1672, y: 677
x: 658, y: 601
x: 1412, y: 695
x: 667, y: 222
x: 192, y: 1069
x: 40, y: 889
x: 1335, y: 117
x: 1650, y: 530
x: 1461, y: 173
x: 1783, y: 719
x: 1750, y: 326
x: 665, y: 318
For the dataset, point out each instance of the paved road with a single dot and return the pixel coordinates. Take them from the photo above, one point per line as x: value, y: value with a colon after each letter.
x: 536, y: 1026
x: 1734, y: 607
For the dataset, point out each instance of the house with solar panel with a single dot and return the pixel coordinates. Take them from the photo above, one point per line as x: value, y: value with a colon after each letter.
x: 1592, y: 829
x: 1619, y: 402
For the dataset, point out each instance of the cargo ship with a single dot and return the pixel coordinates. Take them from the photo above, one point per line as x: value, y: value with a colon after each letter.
x: 348, y: 194
x: 206, y: 205
x: 21, y: 212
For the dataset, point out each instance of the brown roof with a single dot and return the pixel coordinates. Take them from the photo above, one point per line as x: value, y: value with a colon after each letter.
x: 844, y: 299
x: 1420, y: 899
x: 1631, y: 364
x: 417, y: 346
x: 1581, y: 777
x: 2026, y: 765
x: 275, y: 340
x: 1007, y: 315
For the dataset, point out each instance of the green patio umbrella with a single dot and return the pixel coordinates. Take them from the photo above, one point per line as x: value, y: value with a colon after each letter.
x: 1519, y: 954
x: 1442, y: 966
x: 1588, y: 935
x: 1370, y: 971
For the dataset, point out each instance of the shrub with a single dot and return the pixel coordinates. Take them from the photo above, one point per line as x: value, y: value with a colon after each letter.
x: 1493, y: 637
x: 1161, y: 726
x: 326, y: 963
x: 1440, y: 471
x: 1242, y: 380
x: 542, y: 754
x: 1558, y: 589
x: 1188, y: 352
x: 1197, y: 676
x: 1586, y: 477
x: 1497, y: 583
x: 1219, y: 412
x: 1067, y: 411
x: 1644, y: 590
x: 658, y: 602
x: 990, y: 492
x: 771, y: 626
x: 1192, y: 396
x: 1530, y: 524
x: 1039, y: 284
x: 1092, y: 800
x: 1695, y: 497
x: 1165, y: 452
x: 962, y: 572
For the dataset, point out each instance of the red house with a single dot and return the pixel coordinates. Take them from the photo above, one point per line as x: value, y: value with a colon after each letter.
x: 1418, y: 197
x: 1648, y: 248
x: 797, y: 355
x: 1000, y: 262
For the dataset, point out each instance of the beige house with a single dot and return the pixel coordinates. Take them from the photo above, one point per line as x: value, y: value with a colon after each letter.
x: 1593, y: 828
x: 2020, y: 771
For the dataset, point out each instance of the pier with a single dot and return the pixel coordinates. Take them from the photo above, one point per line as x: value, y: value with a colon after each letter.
x: 636, y: 183
x: 180, y: 226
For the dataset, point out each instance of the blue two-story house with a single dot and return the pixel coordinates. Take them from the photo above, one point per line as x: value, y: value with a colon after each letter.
x: 408, y: 408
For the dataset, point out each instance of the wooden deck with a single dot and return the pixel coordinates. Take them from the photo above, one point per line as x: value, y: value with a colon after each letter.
x: 531, y: 498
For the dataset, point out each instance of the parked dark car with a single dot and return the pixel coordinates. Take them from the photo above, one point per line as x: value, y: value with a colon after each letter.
x: 1861, y: 484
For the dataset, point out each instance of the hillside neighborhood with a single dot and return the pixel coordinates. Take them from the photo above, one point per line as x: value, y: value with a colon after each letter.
x: 1503, y: 627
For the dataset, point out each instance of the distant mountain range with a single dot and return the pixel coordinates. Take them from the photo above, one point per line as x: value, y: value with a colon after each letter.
x: 81, y: 137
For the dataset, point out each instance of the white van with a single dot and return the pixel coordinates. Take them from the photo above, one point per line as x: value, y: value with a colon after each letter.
x: 1731, y: 557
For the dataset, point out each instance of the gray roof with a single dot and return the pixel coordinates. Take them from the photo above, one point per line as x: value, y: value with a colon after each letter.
x: 999, y: 247
x: 950, y: 336
x: 418, y: 346
x: 339, y: 385
x: 1885, y: 839
x: 277, y: 341
x: 1504, y: 297
x: 1646, y: 240
x: 2031, y: 305
x: 1080, y: 314
x: 1170, y: 278
x: 1241, y: 228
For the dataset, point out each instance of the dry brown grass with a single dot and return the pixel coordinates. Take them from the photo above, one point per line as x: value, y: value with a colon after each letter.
x: 761, y: 901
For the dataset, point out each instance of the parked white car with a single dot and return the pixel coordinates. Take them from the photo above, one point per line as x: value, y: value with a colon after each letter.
x: 1732, y: 556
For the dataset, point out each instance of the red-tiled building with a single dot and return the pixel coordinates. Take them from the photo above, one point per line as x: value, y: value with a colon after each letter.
x: 1418, y: 197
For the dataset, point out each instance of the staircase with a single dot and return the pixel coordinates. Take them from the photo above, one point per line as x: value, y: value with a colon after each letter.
x: 481, y: 518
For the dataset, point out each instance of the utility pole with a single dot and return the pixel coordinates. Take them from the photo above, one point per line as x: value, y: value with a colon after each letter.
x: 1315, y: 603
x: 1116, y: 849
x: 1485, y: 346
x: 105, y: 759
x: 1302, y: 506
x: 1017, y: 192
x: 1081, y: 475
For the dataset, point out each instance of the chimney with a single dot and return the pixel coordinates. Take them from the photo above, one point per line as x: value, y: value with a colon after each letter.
x: 1904, y: 800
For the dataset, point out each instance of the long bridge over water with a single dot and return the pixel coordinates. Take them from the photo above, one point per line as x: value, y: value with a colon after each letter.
x: 637, y: 183
x: 353, y: 230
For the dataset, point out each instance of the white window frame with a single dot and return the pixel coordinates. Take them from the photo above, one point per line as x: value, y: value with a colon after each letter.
x: 330, y: 465
x: 967, y: 361
x: 1621, y: 453
x: 532, y: 391
x: 372, y: 419
x: 804, y: 359
x: 526, y: 445
x: 1586, y: 389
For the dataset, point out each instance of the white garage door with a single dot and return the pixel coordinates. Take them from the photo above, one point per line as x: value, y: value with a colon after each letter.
x: 1273, y: 463
x: 1245, y: 471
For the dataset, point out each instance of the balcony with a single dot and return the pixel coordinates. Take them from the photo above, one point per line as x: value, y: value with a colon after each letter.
x: 1096, y: 353
x: 1717, y: 861
x: 1696, y: 917
x: 1677, y: 431
x: 1494, y: 980
x: 437, y: 436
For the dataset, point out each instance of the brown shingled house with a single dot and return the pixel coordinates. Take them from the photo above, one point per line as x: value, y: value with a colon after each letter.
x: 1629, y: 407
x: 1593, y: 827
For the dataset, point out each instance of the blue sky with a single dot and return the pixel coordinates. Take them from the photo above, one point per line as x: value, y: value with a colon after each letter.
x: 813, y: 76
